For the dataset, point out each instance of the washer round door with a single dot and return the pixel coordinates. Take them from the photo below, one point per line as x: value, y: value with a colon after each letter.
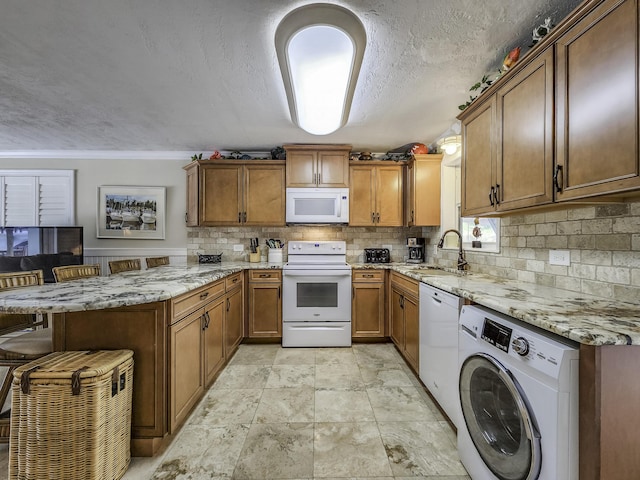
x: 499, y: 419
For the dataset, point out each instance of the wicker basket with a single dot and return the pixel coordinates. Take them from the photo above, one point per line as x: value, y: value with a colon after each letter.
x: 71, y: 416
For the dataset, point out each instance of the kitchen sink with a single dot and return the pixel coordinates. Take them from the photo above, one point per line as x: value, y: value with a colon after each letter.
x: 433, y: 271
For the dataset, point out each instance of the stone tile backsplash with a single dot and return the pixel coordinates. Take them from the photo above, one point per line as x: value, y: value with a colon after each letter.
x: 222, y: 239
x: 603, y: 240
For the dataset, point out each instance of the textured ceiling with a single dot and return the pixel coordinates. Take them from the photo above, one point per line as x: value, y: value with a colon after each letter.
x: 199, y: 75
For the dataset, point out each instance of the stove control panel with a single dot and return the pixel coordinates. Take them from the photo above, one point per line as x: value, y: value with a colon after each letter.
x: 322, y: 247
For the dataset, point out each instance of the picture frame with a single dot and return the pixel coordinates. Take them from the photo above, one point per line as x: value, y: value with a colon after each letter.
x: 131, y: 212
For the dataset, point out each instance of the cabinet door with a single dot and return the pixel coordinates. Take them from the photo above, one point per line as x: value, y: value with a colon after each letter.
x: 396, y: 327
x: 525, y: 136
x: 333, y: 169
x: 265, y: 309
x: 264, y: 195
x: 185, y: 368
x: 411, y: 332
x: 367, y: 312
x: 597, y: 103
x: 213, y: 335
x: 301, y: 168
x: 220, y: 195
x: 361, y: 196
x: 424, y: 197
x: 192, y: 217
x: 389, y: 196
x: 234, y: 321
x: 478, y: 160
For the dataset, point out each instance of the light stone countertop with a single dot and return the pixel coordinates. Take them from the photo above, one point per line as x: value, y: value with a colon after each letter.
x: 586, y: 319
x: 119, y: 290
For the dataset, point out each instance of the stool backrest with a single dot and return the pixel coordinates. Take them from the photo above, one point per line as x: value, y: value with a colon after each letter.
x: 21, y: 279
x: 73, y: 272
x: 156, y: 261
x: 117, y: 266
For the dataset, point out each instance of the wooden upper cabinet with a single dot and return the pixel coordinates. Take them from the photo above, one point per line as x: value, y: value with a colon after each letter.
x: 422, y: 189
x: 191, y: 216
x: 317, y: 165
x: 525, y: 136
x: 478, y: 159
x: 234, y: 193
x: 221, y: 194
x: 362, y: 199
x: 376, y: 195
x: 507, y: 158
x: 264, y: 195
x: 389, y: 196
x: 597, y: 103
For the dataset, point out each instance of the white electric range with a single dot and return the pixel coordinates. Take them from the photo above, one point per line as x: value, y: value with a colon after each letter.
x: 316, y: 295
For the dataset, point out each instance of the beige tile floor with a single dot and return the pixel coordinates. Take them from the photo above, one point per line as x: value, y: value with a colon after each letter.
x: 295, y: 413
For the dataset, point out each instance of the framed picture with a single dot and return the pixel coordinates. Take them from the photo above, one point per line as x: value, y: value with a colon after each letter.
x: 131, y: 212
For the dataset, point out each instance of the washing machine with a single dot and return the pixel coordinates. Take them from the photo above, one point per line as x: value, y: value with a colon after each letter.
x: 518, y: 388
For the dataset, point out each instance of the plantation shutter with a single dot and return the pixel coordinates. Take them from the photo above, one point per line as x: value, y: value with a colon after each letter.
x: 37, y: 197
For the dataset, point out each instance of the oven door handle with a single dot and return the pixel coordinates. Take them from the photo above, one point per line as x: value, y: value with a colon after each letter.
x: 317, y: 273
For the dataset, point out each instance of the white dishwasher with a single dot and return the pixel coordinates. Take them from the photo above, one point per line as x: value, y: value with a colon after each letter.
x: 439, y: 311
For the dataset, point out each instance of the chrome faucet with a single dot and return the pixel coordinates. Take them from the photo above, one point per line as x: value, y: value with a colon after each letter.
x: 462, y: 263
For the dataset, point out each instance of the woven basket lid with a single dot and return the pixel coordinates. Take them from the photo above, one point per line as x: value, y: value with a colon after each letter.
x: 61, y: 365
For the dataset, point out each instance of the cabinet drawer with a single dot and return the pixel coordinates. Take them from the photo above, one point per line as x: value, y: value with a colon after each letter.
x: 368, y: 275
x: 265, y: 275
x: 233, y: 281
x: 407, y: 284
x: 195, y: 299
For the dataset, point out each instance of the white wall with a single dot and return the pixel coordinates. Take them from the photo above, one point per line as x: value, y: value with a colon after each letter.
x: 92, y: 173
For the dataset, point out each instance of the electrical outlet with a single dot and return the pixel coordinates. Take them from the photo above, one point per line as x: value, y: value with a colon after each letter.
x: 389, y: 247
x: 435, y: 249
x: 238, y: 248
x: 559, y: 257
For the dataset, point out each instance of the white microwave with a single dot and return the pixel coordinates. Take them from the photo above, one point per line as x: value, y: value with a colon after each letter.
x: 317, y: 205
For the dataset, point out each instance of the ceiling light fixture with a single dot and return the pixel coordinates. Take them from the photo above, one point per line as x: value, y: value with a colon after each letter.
x: 449, y: 145
x: 320, y: 49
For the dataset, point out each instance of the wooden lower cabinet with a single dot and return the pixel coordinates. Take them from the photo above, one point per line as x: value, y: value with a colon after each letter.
x: 367, y: 305
x: 404, y: 317
x: 143, y: 329
x: 411, y: 330
x: 265, y: 304
x: 213, y: 339
x: 234, y: 318
x: 185, y: 367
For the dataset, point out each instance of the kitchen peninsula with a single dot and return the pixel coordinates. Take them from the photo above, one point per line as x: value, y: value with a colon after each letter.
x: 144, y: 311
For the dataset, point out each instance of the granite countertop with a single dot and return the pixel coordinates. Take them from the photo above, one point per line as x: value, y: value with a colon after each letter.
x: 126, y: 288
x: 586, y: 319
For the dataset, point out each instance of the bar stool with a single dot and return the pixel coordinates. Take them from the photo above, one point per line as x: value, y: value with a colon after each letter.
x: 73, y: 272
x: 156, y: 261
x: 13, y: 322
x: 117, y: 266
x: 21, y: 349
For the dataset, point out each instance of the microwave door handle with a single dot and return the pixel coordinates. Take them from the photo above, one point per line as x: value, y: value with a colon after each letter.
x: 339, y: 206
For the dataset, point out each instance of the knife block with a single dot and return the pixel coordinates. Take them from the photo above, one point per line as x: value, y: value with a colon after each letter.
x: 254, y: 257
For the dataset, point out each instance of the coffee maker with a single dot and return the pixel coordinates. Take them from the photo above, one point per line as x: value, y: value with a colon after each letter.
x: 416, y: 249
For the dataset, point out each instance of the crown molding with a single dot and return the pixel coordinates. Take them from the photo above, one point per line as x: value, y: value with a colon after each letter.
x: 100, y: 154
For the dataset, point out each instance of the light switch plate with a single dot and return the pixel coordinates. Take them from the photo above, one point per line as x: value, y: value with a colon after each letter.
x: 238, y: 248
x: 559, y: 257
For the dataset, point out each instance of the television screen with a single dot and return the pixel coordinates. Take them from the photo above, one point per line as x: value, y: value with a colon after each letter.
x: 35, y: 248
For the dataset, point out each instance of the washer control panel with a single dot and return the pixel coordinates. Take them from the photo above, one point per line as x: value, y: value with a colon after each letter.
x: 540, y: 350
